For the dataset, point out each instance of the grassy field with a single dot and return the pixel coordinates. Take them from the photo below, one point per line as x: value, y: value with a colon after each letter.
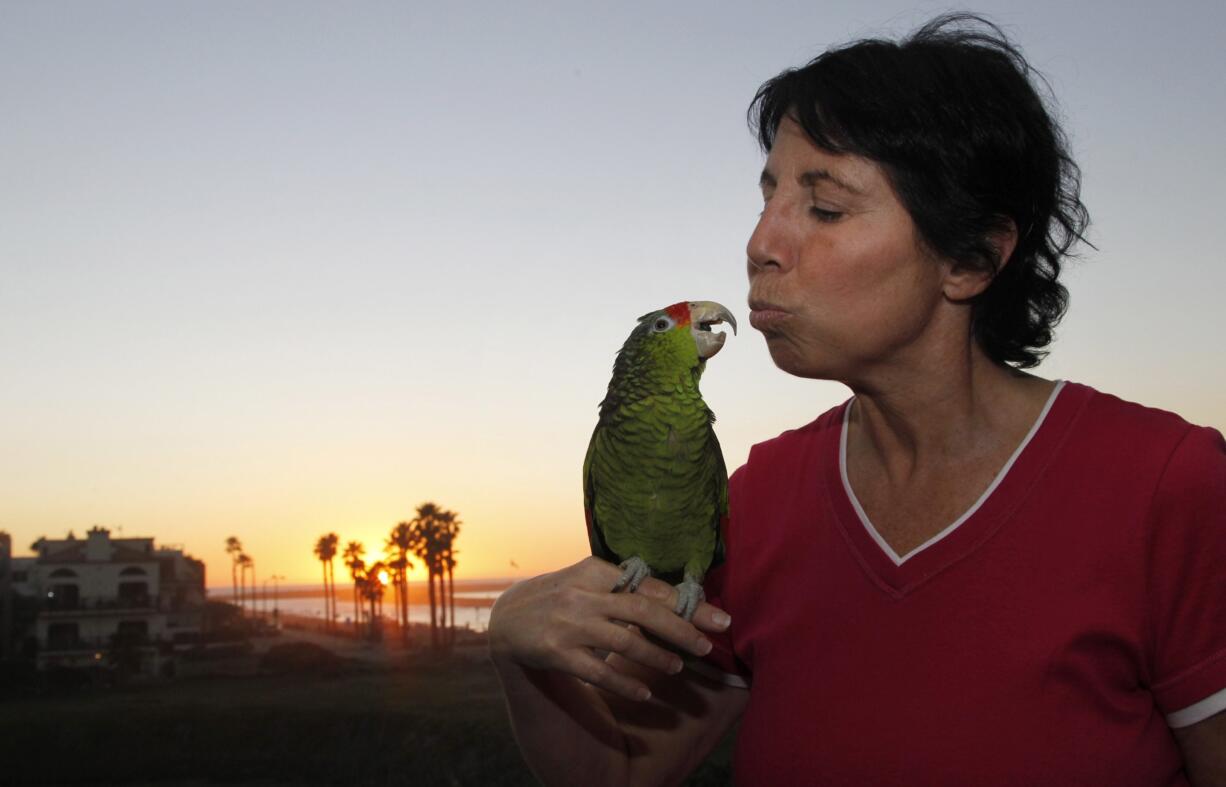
x: 429, y: 723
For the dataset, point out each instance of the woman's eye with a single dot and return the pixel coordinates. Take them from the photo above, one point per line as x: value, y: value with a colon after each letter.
x: 821, y: 214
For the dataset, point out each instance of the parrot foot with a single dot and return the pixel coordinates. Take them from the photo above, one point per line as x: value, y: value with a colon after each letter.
x: 689, y: 596
x: 634, y: 571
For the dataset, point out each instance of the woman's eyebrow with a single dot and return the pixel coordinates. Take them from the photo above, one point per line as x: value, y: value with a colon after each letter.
x: 814, y: 176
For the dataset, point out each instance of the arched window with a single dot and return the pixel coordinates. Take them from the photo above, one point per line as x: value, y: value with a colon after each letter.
x: 63, y: 573
x: 132, y: 571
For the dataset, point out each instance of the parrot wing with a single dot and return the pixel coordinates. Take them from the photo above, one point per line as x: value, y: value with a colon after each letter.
x: 595, y: 536
x: 721, y: 491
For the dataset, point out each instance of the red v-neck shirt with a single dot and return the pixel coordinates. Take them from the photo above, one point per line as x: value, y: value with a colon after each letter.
x: 1051, y: 637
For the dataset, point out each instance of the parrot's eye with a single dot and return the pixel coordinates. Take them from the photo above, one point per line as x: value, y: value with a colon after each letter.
x: 662, y: 324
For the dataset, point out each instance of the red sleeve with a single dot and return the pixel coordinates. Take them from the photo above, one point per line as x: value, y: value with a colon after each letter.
x: 722, y: 663
x: 1187, y: 580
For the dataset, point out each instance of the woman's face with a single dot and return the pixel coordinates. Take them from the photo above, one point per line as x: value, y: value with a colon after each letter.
x: 840, y: 283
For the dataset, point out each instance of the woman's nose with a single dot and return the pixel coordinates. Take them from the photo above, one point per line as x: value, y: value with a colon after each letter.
x: 765, y: 249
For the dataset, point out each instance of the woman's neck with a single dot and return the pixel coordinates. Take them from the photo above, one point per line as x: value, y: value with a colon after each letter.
x: 952, y: 413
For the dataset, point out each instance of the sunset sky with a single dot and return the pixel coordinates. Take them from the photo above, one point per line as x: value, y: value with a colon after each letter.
x: 274, y: 269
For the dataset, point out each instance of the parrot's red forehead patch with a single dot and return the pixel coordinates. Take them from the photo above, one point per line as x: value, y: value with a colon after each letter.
x: 680, y: 312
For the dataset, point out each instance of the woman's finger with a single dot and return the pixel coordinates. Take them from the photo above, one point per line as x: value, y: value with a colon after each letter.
x: 656, y: 618
x: 585, y: 666
x: 627, y: 642
x: 707, y: 617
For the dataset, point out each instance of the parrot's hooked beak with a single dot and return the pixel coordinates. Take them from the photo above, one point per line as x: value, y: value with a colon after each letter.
x: 704, y: 314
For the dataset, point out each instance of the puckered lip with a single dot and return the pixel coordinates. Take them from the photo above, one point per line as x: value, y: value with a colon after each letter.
x: 760, y: 305
x: 767, y: 316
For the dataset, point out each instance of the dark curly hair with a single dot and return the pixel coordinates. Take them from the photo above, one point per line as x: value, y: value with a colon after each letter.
x: 953, y: 116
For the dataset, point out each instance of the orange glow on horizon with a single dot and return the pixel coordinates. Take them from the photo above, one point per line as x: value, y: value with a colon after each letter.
x: 506, y: 545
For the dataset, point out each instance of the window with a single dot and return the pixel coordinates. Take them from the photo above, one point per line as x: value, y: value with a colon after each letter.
x: 132, y: 632
x: 61, y: 597
x: 133, y: 594
x: 62, y: 636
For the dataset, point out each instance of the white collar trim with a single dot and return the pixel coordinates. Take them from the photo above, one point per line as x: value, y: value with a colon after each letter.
x: 872, y: 531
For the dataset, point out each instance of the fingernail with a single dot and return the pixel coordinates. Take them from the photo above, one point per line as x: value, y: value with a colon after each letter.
x: 703, y: 647
x: 644, y: 694
x: 721, y: 619
x: 676, y: 666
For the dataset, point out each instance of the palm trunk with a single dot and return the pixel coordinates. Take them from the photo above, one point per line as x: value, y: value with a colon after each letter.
x: 402, y: 600
x: 396, y: 591
x: 451, y: 598
x: 442, y: 606
x: 404, y: 613
x: 357, y: 611
x: 332, y: 581
x: 402, y: 607
x: 324, y: 566
x: 433, y: 622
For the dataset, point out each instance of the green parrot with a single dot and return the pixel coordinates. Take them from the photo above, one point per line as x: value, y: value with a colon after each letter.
x: 655, y: 489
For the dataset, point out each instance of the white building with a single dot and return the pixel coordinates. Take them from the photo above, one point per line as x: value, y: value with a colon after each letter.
x: 102, y: 596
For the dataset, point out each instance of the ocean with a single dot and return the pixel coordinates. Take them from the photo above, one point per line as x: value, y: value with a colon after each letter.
x: 473, y: 599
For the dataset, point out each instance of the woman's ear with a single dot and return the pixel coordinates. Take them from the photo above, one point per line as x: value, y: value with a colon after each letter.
x: 963, y: 282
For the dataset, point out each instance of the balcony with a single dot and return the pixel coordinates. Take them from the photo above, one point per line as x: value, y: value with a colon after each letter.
x: 76, y: 644
x: 62, y: 638
x: 92, y: 607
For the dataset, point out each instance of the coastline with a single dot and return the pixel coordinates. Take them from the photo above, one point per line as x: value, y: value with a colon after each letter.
x: 468, y: 593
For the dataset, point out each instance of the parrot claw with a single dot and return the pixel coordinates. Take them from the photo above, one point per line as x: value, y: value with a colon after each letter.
x: 634, y: 571
x: 689, y: 596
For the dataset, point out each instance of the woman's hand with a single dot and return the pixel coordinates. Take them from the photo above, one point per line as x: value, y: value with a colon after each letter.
x: 556, y: 621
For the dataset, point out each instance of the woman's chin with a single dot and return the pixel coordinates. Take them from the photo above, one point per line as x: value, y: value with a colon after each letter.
x: 787, y: 359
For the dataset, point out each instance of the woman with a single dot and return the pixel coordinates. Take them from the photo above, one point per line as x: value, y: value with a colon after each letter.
x: 966, y: 574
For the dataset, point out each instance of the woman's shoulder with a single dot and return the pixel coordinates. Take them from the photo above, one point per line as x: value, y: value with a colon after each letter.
x: 1140, y: 441
x: 1122, y: 418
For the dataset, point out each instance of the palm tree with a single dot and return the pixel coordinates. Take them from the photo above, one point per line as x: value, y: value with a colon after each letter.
x: 374, y: 583
x: 433, y: 531
x: 361, y: 582
x: 400, y: 583
x: 448, y: 529
x: 425, y: 531
x: 244, y: 563
x: 325, y: 550
x: 353, y: 560
x: 333, y: 542
x: 399, y: 542
x: 234, y: 549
